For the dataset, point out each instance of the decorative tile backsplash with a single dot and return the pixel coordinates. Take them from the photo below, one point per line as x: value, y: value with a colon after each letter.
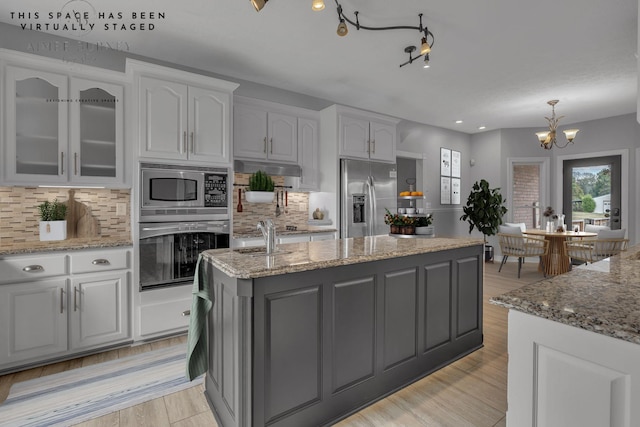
x: 296, y: 213
x: 19, y: 211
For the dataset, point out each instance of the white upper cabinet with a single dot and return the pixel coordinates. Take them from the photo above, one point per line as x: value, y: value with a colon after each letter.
x: 182, y: 116
x: 264, y: 134
x: 364, y: 135
x: 63, y: 124
x: 308, y: 154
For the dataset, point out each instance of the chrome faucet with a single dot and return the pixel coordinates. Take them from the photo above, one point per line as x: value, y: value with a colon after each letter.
x: 268, y: 230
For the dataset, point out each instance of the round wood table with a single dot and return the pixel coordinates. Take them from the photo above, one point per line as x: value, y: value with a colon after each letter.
x: 557, y: 261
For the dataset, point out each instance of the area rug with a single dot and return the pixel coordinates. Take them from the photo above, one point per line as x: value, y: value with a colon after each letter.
x: 81, y: 394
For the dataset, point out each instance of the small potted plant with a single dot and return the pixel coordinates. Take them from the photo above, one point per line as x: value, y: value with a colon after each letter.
x: 423, y: 224
x: 394, y: 221
x: 260, y: 188
x: 53, y: 225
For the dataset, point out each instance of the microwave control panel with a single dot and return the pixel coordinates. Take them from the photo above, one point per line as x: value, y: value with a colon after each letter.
x: 215, y: 190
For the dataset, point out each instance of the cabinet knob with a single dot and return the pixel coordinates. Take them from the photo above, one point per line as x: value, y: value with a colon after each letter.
x: 186, y: 313
x: 33, y: 268
x: 100, y: 261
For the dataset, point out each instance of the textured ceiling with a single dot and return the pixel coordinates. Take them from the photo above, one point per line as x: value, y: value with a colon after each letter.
x: 494, y: 63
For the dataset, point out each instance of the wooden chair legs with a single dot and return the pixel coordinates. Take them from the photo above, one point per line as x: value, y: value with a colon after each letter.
x: 504, y: 260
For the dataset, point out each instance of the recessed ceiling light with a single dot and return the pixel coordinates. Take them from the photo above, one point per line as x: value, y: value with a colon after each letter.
x: 482, y: 127
x: 458, y: 122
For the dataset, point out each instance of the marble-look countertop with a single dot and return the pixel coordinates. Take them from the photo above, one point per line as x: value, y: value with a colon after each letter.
x: 603, y: 297
x: 284, y: 232
x: 251, y: 263
x: 26, y: 248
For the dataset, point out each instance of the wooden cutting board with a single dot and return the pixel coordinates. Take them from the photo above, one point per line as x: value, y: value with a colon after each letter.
x: 80, y: 221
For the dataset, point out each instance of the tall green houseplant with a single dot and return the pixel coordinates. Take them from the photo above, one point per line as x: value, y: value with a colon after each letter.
x: 484, y: 209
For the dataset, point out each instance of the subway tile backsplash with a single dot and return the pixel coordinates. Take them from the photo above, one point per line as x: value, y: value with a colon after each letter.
x: 19, y: 211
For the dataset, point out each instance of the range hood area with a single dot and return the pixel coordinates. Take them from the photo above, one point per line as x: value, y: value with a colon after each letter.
x: 279, y: 169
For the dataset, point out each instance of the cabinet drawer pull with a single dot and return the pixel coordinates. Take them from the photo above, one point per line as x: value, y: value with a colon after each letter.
x: 62, y: 163
x: 271, y: 148
x: 75, y: 163
x: 193, y: 138
x: 374, y: 146
x: 186, y: 313
x: 33, y: 268
x: 264, y: 150
x: 100, y: 261
x: 75, y: 298
x: 61, y: 300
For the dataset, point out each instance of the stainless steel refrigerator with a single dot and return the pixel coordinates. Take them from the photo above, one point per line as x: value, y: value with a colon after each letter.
x: 366, y: 189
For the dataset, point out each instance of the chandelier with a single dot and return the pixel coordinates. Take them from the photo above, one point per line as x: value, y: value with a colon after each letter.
x: 548, y: 138
x: 426, y: 41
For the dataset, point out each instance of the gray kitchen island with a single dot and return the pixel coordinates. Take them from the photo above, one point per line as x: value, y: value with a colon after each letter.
x: 319, y: 330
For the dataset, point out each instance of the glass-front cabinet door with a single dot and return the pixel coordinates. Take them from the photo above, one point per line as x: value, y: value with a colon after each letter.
x: 96, y: 131
x: 36, y: 125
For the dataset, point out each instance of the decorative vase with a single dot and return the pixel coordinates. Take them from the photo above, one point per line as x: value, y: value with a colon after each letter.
x: 259, y: 196
x: 53, y: 230
x: 395, y: 229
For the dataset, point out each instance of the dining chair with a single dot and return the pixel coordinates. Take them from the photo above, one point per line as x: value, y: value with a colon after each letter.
x: 514, y: 243
x: 606, y: 244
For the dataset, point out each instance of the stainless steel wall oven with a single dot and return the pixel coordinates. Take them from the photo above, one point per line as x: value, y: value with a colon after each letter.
x: 183, y: 211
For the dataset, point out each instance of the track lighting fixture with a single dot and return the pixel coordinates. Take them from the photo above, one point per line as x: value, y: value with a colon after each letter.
x: 317, y: 5
x: 342, y: 30
x: 426, y: 61
x: 548, y: 138
x: 426, y: 42
x: 259, y: 4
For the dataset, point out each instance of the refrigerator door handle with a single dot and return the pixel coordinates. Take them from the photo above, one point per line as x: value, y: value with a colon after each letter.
x: 372, y: 206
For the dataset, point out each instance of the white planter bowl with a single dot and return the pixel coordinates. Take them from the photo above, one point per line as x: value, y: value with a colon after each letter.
x: 259, y: 196
x: 53, y: 230
x: 424, y: 230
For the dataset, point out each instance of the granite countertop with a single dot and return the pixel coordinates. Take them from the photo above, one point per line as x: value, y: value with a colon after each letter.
x: 251, y: 263
x: 603, y: 297
x: 284, y: 232
x: 26, y: 248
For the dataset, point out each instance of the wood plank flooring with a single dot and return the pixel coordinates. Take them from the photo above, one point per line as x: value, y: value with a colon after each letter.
x: 469, y: 392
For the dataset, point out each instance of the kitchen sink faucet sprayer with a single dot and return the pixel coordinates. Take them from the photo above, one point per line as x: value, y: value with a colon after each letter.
x: 268, y: 230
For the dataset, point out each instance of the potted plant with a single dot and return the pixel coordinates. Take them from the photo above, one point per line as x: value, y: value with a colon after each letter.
x: 399, y: 224
x: 484, y: 211
x: 53, y: 225
x: 423, y: 224
x: 260, y: 188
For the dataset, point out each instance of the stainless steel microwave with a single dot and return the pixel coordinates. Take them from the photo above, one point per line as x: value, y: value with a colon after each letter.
x: 179, y: 193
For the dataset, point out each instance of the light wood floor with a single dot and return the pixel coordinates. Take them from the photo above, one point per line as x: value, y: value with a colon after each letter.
x: 469, y: 392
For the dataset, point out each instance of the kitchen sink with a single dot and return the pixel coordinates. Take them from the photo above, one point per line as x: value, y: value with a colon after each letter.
x: 259, y: 251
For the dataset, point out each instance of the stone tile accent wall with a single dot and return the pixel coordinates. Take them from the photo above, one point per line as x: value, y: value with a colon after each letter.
x: 297, y: 213
x: 19, y: 211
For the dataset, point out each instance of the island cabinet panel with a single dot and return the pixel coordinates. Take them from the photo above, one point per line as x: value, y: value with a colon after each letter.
x: 437, y: 305
x: 400, y: 321
x: 308, y: 348
x: 293, y: 359
x: 353, y: 344
x: 469, y: 296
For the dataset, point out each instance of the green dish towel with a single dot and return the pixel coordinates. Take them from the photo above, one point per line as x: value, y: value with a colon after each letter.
x: 202, y: 301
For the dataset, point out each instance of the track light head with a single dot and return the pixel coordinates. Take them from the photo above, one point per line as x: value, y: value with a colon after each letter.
x: 424, y: 48
x: 426, y: 61
x: 342, y: 28
x: 258, y: 4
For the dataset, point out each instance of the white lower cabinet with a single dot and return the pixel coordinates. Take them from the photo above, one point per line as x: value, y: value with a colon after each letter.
x: 33, y: 320
x: 162, y: 312
x: 54, y: 306
x: 99, y: 309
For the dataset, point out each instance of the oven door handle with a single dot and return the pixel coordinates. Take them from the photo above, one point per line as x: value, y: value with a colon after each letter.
x: 162, y: 230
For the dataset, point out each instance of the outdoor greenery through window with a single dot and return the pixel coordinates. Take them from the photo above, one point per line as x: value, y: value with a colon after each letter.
x: 591, y: 195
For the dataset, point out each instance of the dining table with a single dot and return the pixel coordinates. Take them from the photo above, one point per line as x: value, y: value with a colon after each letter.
x: 557, y: 261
